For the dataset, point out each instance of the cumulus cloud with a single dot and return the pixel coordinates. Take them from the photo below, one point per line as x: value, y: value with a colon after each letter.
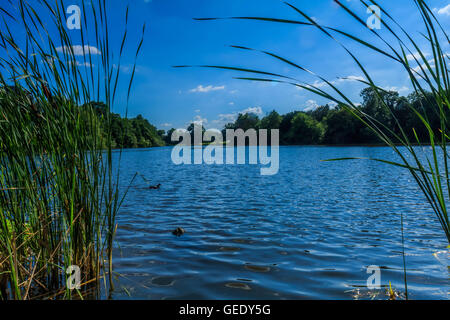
x: 79, y: 50
x: 199, y: 120
x: 424, y: 66
x: 416, y: 55
x: 443, y: 11
x: 209, y: 88
x: 351, y: 78
x: 311, y: 105
x: 400, y: 90
x: 256, y: 110
x: 320, y: 84
x: 332, y: 104
x: 166, y: 125
x: 225, y: 118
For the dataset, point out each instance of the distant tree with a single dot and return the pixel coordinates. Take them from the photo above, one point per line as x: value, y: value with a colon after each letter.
x: 427, y: 107
x: 341, y: 127
x: 380, y: 106
x: 271, y: 121
x: 191, y: 128
x: 246, y: 121
x: 99, y: 107
x: 306, y: 130
x: 285, y: 128
x: 168, y: 137
x: 319, y: 113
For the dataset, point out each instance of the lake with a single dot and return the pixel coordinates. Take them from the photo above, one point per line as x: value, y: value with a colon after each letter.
x: 308, y: 232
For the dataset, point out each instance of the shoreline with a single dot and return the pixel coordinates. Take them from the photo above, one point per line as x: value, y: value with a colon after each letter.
x: 294, y: 145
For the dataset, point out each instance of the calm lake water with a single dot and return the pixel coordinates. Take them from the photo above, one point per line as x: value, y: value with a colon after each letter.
x: 308, y: 232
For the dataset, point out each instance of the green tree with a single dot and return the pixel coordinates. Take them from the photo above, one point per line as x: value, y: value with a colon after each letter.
x: 271, y: 121
x: 380, y: 108
x: 306, y: 130
x: 319, y: 113
x: 168, y: 137
x: 246, y: 121
x: 285, y: 128
x: 341, y: 127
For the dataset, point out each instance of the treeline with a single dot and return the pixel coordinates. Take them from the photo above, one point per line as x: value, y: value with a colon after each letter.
x: 337, y: 126
x: 125, y: 133
x: 131, y: 133
x: 323, y: 125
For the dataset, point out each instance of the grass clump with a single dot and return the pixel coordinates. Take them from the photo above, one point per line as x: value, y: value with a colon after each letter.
x: 59, y: 187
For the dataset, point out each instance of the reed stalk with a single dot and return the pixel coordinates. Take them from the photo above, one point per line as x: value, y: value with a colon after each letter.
x: 59, y: 180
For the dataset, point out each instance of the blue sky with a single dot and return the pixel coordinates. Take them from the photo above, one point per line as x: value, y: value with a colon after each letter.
x: 171, y: 97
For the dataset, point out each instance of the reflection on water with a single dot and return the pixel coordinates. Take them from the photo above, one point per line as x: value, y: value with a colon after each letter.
x: 308, y: 232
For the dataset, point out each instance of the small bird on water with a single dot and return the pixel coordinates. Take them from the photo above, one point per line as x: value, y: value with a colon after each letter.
x: 178, y: 232
x: 155, y: 187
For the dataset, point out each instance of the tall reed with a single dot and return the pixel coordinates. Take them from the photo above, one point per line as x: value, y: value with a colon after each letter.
x: 430, y: 80
x: 59, y: 184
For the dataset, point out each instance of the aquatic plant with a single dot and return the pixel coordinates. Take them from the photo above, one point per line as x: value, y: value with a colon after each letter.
x: 428, y: 165
x: 58, y: 179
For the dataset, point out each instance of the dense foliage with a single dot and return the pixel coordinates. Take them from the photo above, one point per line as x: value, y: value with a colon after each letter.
x: 335, y: 126
x: 131, y: 133
x: 323, y: 125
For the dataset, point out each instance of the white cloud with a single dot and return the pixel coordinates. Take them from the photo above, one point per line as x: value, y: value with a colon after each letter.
x: 444, y: 11
x: 51, y: 60
x: 256, y: 110
x: 197, y: 110
x: 424, y: 66
x: 223, y: 119
x: 166, y: 125
x: 400, y: 90
x: 199, y: 120
x: 320, y: 84
x: 416, y: 55
x: 352, y: 78
x: 79, y: 50
x: 311, y: 105
x: 317, y: 84
x: 84, y: 64
x: 209, y: 88
x: 332, y: 104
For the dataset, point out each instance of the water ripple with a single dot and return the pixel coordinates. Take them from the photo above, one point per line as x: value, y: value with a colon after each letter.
x: 308, y: 232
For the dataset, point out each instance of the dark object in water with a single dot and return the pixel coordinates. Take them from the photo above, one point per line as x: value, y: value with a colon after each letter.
x: 178, y: 232
x: 155, y: 187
